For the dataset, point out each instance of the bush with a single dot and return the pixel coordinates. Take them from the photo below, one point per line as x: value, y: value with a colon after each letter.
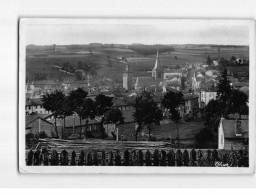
x: 152, y: 138
x: 31, y: 140
x: 42, y: 135
x: 205, y: 139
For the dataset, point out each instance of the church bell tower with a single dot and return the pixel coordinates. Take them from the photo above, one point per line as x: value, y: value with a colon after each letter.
x: 127, y: 78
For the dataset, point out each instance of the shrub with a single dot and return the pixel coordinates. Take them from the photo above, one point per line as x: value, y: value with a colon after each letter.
x: 31, y: 140
x: 205, y: 139
x: 42, y: 135
x: 152, y: 138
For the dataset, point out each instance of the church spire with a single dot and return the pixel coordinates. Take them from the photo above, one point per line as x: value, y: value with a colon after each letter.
x: 157, y: 64
x: 156, y: 72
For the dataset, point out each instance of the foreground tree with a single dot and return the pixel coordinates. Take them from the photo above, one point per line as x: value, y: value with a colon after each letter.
x: 224, y: 88
x: 53, y: 103
x: 65, y: 111
x: 237, y: 102
x: 172, y: 101
x: 146, y: 112
x: 102, y: 105
x: 209, y: 61
x: 114, y: 116
x: 88, y: 112
x: 212, y: 115
x: 77, y: 99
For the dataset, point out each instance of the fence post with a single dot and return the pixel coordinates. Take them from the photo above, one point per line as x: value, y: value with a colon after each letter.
x: 103, y: 158
x: 193, y: 157
x: 117, y: 158
x: 148, y: 158
x: 133, y: 158
x: 215, y: 156
x: 45, y: 156
x: 200, y: 158
x: 89, y: 158
x: 81, y: 158
x: 54, y: 158
x: 37, y: 158
x: 64, y: 158
x: 30, y: 158
x: 179, y: 157
x: 126, y: 158
x: 171, y: 158
x: 185, y: 158
x: 163, y: 158
x: 110, y: 159
x: 156, y: 158
x: 140, y: 158
x: 208, y: 157
x: 95, y: 158
x: 73, y: 158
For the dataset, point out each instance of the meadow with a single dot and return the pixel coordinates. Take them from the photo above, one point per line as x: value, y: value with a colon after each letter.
x: 40, y: 62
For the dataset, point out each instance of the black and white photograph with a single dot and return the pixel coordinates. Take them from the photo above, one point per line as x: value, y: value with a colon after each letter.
x: 136, y: 96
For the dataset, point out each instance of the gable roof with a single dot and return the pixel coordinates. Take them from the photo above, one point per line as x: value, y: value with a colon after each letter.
x: 146, y: 81
x: 29, y: 120
x: 229, y: 128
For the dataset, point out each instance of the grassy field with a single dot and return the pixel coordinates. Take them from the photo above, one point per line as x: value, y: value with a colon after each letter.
x: 140, y: 64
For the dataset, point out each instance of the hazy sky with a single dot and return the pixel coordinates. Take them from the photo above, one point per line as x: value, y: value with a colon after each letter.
x: 171, y: 33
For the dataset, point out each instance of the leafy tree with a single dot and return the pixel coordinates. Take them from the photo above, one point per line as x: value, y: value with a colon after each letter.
x: 172, y: 101
x: 80, y: 65
x: 146, y: 112
x: 103, y: 104
x: 237, y: 102
x: 223, y: 62
x: 53, y: 102
x: 114, y: 116
x: 77, y: 99
x: 65, y: 111
x: 88, y: 111
x: 203, y: 138
x: 212, y: 115
x: 209, y: 61
x: 224, y: 88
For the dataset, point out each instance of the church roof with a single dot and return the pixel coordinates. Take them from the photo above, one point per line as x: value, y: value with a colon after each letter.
x: 146, y: 81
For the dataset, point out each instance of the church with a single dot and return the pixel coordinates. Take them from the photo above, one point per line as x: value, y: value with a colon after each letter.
x: 160, y: 79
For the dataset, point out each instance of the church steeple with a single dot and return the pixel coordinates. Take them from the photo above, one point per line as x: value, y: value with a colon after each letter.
x: 156, y: 72
x: 127, y: 78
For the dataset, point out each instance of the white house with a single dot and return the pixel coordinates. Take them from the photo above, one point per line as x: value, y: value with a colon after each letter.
x: 35, y: 106
x: 207, y: 95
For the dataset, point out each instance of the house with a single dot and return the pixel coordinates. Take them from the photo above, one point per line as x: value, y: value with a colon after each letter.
x: 207, y: 95
x: 174, y: 83
x: 170, y: 73
x: 215, y: 63
x: 37, y: 123
x: 232, y: 134
x: 144, y: 82
x: 190, y: 103
x: 35, y: 106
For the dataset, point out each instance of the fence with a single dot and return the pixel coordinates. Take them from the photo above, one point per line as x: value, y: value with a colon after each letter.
x: 194, y: 157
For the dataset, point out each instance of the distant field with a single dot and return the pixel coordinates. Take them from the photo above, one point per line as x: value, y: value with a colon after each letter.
x: 139, y: 64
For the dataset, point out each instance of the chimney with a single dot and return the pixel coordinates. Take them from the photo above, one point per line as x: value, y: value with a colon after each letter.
x: 238, y: 128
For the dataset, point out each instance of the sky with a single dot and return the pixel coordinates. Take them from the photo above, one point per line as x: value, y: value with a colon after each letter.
x: 173, y: 32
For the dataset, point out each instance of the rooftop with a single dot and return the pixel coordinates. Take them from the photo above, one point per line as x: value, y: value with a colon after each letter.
x: 229, y: 127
